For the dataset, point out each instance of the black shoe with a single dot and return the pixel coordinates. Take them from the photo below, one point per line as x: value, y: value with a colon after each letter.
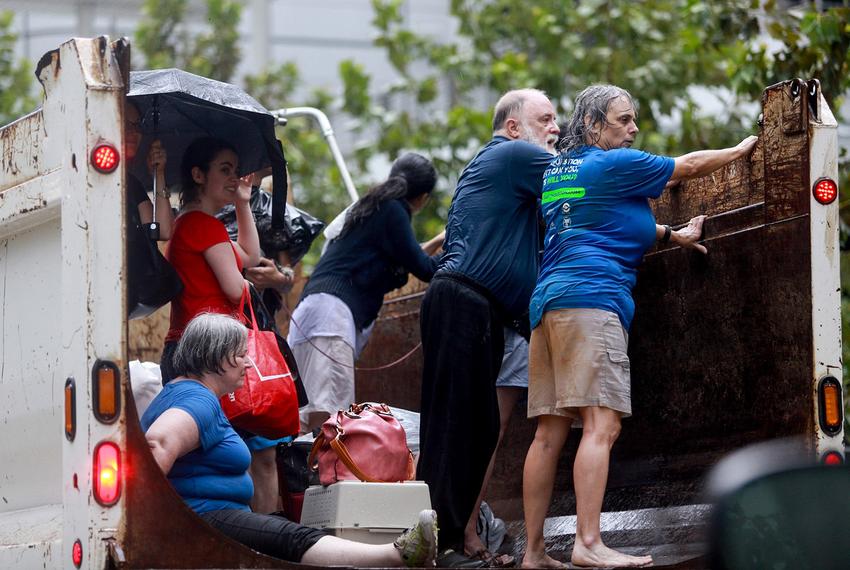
x: 452, y: 559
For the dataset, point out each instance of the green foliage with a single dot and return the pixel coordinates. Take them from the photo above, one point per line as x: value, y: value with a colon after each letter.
x: 811, y: 44
x: 316, y: 181
x: 164, y: 41
x: 16, y: 78
x: 658, y: 49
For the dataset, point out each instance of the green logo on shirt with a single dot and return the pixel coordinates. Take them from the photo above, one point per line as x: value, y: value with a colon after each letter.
x: 562, y: 193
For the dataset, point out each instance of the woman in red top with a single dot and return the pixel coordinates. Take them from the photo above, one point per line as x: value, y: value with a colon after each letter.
x: 209, y: 264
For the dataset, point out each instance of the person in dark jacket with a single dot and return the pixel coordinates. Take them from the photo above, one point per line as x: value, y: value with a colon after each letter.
x: 371, y: 256
x: 483, y: 284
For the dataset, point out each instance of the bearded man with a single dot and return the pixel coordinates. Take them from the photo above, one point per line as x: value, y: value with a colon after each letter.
x: 484, y: 282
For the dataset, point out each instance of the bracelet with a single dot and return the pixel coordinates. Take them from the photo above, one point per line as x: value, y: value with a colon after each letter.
x: 667, y: 232
x: 164, y: 194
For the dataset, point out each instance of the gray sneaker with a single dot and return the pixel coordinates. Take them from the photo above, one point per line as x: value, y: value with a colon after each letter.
x: 418, y: 544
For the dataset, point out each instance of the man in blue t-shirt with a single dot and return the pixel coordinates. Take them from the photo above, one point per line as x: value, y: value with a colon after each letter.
x: 598, y: 226
x: 483, y: 282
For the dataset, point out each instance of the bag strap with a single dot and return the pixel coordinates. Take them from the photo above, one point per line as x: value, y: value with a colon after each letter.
x: 246, y: 298
x: 345, y: 457
x: 318, y: 443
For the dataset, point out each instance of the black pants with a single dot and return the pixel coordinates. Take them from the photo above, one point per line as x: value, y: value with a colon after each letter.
x: 463, y: 344
x: 269, y: 534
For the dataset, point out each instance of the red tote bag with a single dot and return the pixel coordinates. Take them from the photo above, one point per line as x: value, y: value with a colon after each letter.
x: 267, y: 403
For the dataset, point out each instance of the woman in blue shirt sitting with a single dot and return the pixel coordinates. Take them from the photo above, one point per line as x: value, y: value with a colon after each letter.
x: 206, y: 461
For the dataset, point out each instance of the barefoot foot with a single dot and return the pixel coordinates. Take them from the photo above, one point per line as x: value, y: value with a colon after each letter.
x: 540, y: 561
x: 600, y: 556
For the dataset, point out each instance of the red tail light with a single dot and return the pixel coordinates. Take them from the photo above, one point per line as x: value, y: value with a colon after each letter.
x: 105, y: 158
x: 825, y: 190
x: 107, y: 473
x: 832, y: 458
x: 77, y: 553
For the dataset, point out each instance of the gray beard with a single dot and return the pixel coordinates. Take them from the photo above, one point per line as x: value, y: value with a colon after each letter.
x: 526, y: 136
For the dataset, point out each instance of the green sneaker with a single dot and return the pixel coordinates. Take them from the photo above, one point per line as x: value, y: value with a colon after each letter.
x: 418, y: 545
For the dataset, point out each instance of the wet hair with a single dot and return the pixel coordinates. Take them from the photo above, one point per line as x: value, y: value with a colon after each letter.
x: 593, y: 103
x: 208, y: 341
x: 510, y: 104
x: 200, y: 153
x: 410, y: 176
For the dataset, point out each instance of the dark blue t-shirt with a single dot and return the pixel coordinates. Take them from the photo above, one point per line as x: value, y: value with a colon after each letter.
x: 598, y: 226
x: 215, y: 475
x: 491, y: 232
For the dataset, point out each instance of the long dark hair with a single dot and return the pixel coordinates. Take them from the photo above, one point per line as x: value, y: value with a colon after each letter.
x: 200, y: 153
x: 410, y: 176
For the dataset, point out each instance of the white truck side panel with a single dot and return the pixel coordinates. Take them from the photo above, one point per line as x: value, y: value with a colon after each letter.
x: 93, y: 320
x: 31, y: 413
x: 21, y: 150
x: 30, y: 352
x: 62, y: 255
x: 826, y: 272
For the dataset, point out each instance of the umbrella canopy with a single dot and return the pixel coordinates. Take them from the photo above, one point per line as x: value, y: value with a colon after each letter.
x: 178, y: 107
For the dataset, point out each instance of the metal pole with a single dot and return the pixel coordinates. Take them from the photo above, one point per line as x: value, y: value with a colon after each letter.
x: 328, y: 132
x: 259, y: 35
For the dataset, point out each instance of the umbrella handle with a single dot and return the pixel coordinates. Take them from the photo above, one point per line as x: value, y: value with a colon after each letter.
x: 153, y: 227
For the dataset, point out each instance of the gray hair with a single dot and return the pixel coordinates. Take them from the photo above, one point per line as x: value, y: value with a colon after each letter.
x: 592, y: 103
x: 208, y: 341
x: 510, y: 105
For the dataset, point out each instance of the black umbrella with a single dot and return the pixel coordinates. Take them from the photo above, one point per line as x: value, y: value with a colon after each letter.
x: 177, y: 107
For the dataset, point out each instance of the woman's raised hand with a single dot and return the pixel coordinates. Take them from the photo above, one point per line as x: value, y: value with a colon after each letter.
x: 243, y: 193
x: 688, y: 236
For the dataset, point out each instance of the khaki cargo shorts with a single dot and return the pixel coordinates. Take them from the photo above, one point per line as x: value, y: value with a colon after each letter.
x: 577, y: 358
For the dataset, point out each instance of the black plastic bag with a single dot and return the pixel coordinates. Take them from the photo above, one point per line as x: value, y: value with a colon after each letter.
x: 296, y: 236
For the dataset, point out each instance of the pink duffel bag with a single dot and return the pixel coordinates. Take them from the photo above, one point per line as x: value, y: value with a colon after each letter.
x: 365, y: 443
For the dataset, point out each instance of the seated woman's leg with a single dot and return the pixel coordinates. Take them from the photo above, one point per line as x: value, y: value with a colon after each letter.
x: 284, y: 539
x: 333, y: 551
x: 415, y: 548
x: 271, y: 535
